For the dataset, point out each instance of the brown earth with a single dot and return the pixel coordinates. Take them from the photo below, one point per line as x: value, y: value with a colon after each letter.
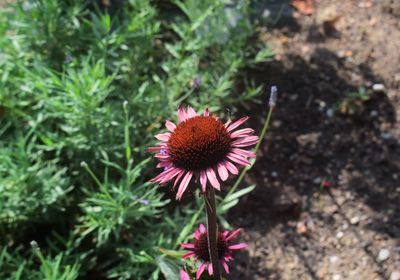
x: 326, y: 127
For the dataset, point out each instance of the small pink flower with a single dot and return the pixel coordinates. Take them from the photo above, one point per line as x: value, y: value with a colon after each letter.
x: 201, y: 146
x: 184, y: 275
x: 199, y: 249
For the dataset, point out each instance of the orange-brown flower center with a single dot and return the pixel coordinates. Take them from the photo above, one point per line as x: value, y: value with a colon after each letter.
x: 199, y: 143
x: 201, y: 247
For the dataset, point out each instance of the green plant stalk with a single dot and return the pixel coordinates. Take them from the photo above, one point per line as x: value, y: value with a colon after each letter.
x: 247, y: 168
x: 212, y: 229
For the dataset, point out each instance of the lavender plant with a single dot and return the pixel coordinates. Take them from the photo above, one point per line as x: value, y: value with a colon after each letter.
x: 82, y: 90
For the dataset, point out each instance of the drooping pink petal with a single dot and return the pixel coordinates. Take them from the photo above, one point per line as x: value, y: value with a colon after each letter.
x: 228, y: 123
x: 187, y: 245
x: 238, y: 246
x: 242, y: 132
x: 210, y: 269
x: 213, y: 179
x: 170, y: 125
x: 160, y: 176
x: 244, y: 142
x: 163, y: 136
x: 188, y: 255
x: 233, y: 234
x: 200, y: 270
x: 184, y: 184
x: 225, y: 233
x: 206, y: 112
x: 243, y: 153
x: 178, y: 178
x: 182, y: 114
x: 222, y: 172
x: 184, y: 275
x: 203, y: 180
x: 238, y: 159
x: 231, y: 168
x: 202, y: 228
x: 226, y: 267
x: 197, y: 235
x: 237, y: 123
x: 191, y: 113
x: 171, y: 173
x: 164, y: 164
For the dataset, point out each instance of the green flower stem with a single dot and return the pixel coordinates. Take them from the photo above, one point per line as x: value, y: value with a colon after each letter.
x: 247, y: 168
x: 212, y: 230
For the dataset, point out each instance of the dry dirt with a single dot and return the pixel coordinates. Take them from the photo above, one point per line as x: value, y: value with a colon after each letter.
x: 338, y: 73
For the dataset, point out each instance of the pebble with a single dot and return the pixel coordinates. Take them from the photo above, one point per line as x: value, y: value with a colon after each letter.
x: 354, y: 220
x: 330, y: 113
x: 336, y: 277
x: 378, y: 87
x: 373, y: 113
x: 317, y: 180
x: 339, y: 235
x: 383, y: 255
x: 333, y: 259
x: 274, y: 174
x: 395, y: 275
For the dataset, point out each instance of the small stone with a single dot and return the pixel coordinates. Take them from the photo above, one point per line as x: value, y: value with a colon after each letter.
x: 336, y: 277
x: 378, y: 87
x: 383, y: 255
x: 339, y: 235
x: 317, y: 180
x: 386, y: 135
x: 354, y: 220
x: 274, y: 174
x: 333, y: 259
x: 395, y: 275
x: 330, y: 113
x: 373, y: 113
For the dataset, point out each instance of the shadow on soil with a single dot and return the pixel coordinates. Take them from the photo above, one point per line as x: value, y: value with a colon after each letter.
x: 315, y: 134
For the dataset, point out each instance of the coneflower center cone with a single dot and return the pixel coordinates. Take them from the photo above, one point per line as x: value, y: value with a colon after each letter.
x: 199, y: 143
x: 201, y: 247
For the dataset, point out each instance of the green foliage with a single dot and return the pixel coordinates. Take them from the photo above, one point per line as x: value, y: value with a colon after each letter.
x: 83, y: 89
x: 353, y: 103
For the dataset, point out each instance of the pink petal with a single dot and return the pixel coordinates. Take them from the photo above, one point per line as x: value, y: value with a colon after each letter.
x: 190, y: 112
x: 233, y: 234
x: 184, y: 275
x: 231, y: 168
x: 197, y: 235
x: 177, y: 179
x: 184, y: 184
x: 153, y: 149
x: 228, y: 123
x: 206, y: 112
x: 163, y: 136
x: 164, y: 164
x: 243, y: 153
x: 225, y: 233
x: 244, y: 142
x: 203, y: 180
x: 210, y: 269
x: 222, y: 172
x: 182, y: 114
x: 188, y: 255
x: 159, y: 177
x: 238, y: 246
x: 170, y: 126
x: 187, y: 245
x: 226, y: 267
x: 237, y: 123
x: 171, y: 173
x: 200, y: 270
x: 202, y: 228
x: 242, y: 132
x: 238, y: 159
x: 213, y: 179
x: 162, y: 157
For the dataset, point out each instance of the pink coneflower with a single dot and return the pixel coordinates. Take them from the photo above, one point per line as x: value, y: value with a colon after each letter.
x: 199, y: 249
x: 201, y: 146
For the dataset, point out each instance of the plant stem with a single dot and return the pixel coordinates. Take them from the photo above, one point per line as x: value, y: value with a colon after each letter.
x: 247, y: 168
x: 209, y: 200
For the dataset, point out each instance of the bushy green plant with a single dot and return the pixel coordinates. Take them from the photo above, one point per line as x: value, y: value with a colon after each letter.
x: 82, y: 91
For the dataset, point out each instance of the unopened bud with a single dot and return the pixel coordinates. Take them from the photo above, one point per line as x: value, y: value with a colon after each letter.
x: 273, y: 96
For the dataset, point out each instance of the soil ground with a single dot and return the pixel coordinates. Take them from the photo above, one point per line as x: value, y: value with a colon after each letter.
x: 325, y: 127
